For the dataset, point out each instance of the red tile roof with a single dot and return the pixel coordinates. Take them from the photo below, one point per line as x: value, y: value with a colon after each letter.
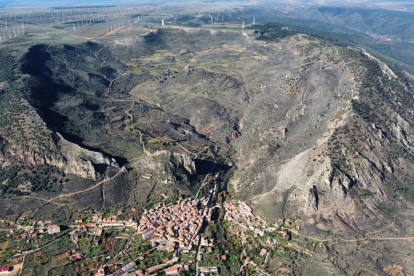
x: 172, y: 269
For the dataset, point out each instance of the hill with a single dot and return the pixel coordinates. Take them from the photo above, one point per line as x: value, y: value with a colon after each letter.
x: 299, y: 126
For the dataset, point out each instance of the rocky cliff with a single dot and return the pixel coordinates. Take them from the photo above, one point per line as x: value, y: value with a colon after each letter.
x: 165, y: 161
x: 30, y: 142
x: 79, y: 161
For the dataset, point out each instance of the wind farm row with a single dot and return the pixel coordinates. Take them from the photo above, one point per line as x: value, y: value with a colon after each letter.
x: 15, y: 24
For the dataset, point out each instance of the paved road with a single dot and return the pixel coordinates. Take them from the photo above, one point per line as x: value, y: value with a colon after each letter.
x: 122, y: 250
x: 31, y: 251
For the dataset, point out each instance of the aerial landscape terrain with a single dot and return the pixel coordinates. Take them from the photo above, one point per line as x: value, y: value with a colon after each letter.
x: 206, y: 137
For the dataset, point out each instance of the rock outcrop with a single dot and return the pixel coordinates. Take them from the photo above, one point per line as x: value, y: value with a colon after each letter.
x: 164, y: 161
x: 79, y: 161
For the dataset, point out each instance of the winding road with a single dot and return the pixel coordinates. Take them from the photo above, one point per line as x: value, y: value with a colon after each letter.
x: 123, y: 169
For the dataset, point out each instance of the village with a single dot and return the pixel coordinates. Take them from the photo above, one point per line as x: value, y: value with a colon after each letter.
x: 181, y: 238
x: 243, y: 217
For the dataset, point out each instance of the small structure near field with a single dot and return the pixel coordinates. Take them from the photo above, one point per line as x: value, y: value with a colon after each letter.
x: 52, y: 229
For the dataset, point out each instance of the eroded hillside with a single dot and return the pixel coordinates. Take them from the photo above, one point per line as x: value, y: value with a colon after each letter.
x: 297, y: 126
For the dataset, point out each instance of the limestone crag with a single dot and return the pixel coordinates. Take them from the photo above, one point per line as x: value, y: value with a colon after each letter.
x: 79, y: 161
x: 164, y: 160
x: 70, y: 157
